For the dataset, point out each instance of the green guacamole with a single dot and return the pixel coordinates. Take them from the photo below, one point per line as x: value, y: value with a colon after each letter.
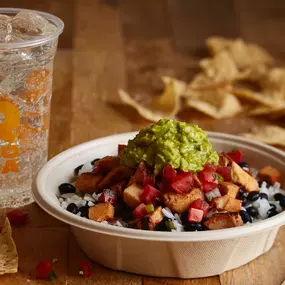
x: 183, y: 146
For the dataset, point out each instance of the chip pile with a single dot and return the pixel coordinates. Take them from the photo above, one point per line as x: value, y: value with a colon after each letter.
x: 238, y: 78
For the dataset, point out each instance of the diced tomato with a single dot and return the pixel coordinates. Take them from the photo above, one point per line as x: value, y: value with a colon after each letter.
x: 108, y: 196
x: 225, y: 172
x: 201, y: 205
x: 168, y: 173
x: 195, y: 215
x: 208, y: 179
x: 208, y: 186
x: 149, y: 179
x: 183, y: 182
x: 207, y: 176
x: 235, y: 155
x: 85, y: 268
x: 210, y: 167
x: 140, y: 211
x: 121, y: 147
x: 17, y: 217
x: 148, y: 194
x: 45, y: 269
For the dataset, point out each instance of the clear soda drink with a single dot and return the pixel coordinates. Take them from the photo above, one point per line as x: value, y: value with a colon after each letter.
x: 28, y: 43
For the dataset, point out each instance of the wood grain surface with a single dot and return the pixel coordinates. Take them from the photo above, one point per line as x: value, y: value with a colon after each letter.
x: 129, y: 44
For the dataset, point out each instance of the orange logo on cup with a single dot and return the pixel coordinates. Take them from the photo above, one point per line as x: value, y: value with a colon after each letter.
x: 9, y: 130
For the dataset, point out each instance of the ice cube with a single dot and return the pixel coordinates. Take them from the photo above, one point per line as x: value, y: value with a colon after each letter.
x: 30, y: 23
x: 4, y: 21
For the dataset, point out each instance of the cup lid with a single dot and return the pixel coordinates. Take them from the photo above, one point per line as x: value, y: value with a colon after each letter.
x: 36, y: 39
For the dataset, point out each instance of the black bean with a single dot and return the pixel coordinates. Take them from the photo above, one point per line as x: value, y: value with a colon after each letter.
x: 84, y: 211
x: 244, y: 202
x: 245, y: 217
x: 278, y: 196
x: 72, y: 208
x: 76, y: 170
x: 93, y: 161
x: 252, y: 211
x: 253, y: 196
x: 282, y: 202
x: 192, y: 227
x: 263, y: 196
x: 272, y: 206
x: 66, y: 188
x: 184, y: 217
x: 243, y: 164
x: 271, y: 212
x: 123, y: 211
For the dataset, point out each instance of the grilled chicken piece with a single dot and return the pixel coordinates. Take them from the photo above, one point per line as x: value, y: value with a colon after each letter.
x: 101, y: 212
x: 107, y: 163
x: 241, y: 177
x: 269, y: 174
x: 230, y: 189
x: 150, y: 221
x: 131, y: 195
x: 179, y: 203
x: 88, y: 182
x: 117, y: 174
x: 226, y: 203
x: 224, y: 221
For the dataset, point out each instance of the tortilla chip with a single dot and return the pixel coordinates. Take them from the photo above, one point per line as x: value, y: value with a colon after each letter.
x: 221, y: 67
x: 217, y: 104
x: 261, y: 110
x: 244, y: 55
x: 165, y: 106
x: 269, y: 134
x: 202, y: 82
x: 179, y: 85
x: 248, y: 55
x: 274, y: 83
x: 8, y: 251
x: 256, y: 97
x: 217, y: 44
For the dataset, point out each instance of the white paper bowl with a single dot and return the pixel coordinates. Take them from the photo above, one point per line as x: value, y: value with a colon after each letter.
x: 165, y: 254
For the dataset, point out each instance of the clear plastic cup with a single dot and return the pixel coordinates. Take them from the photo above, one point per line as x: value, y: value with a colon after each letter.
x: 28, y: 43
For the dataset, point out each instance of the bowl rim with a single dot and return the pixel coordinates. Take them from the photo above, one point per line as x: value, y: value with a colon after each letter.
x: 40, y: 194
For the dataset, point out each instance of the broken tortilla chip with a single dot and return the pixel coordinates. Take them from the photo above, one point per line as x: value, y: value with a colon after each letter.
x: 269, y: 134
x: 8, y: 251
x: 221, y: 67
x: 165, y: 106
x: 217, y: 104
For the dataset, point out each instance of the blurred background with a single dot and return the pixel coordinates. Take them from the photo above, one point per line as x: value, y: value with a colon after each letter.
x: 111, y: 44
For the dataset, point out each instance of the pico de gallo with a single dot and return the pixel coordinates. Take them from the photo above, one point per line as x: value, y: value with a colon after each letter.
x: 168, y: 178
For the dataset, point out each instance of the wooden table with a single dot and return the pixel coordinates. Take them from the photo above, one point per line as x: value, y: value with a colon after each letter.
x: 130, y: 44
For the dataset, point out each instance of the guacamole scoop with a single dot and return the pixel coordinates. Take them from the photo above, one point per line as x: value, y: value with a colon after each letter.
x: 183, y: 146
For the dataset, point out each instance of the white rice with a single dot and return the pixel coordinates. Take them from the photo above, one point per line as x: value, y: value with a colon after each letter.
x: 88, y: 197
x: 90, y: 204
x: 96, y: 196
x: 68, y: 195
x: 87, y: 167
x: 167, y: 213
x: 64, y: 205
